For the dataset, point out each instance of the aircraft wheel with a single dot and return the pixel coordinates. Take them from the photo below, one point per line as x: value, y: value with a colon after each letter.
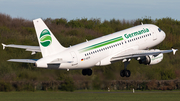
x: 89, y: 72
x: 122, y: 73
x: 84, y: 72
x: 127, y: 73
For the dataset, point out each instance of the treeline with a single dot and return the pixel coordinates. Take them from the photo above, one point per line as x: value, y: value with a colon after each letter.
x: 21, y: 31
x: 106, y: 85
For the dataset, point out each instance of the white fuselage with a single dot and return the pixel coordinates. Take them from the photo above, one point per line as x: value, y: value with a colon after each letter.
x: 99, y: 51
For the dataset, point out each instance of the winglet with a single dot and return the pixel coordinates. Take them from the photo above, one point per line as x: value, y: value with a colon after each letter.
x: 4, y: 46
x: 174, y: 51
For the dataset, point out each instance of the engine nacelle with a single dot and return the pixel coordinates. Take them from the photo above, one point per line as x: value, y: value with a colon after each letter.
x: 151, y: 59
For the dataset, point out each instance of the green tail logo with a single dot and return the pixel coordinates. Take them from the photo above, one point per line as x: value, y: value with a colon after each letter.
x: 45, y: 38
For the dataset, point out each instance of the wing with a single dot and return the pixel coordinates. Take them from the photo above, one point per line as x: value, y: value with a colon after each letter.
x: 131, y: 53
x: 33, y: 49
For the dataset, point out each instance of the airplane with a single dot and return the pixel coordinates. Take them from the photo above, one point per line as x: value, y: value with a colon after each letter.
x: 134, y: 42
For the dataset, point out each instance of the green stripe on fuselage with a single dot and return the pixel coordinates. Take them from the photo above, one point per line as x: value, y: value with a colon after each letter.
x: 101, y: 44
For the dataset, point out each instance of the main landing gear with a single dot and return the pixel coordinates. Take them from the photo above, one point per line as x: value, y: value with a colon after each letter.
x: 125, y: 72
x: 87, y: 72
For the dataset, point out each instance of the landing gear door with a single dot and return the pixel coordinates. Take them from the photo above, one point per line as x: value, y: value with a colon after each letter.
x: 153, y: 34
x: 74, y: 59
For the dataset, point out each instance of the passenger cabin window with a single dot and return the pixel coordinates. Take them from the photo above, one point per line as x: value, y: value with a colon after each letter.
x: 159, y: 29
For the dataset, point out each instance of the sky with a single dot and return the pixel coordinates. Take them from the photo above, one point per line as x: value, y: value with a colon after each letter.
x: 103, y: 9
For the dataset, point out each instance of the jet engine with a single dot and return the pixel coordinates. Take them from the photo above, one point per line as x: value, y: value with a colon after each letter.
x: 151, y: 59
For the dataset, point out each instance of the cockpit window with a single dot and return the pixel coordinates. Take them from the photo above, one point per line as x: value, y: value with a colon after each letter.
x: 159, y: 29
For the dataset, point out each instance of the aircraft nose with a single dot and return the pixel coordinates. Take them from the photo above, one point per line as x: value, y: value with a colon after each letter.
x: 163, y: 34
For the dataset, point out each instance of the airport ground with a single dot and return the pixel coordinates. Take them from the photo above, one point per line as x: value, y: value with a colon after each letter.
x: 91, y: 96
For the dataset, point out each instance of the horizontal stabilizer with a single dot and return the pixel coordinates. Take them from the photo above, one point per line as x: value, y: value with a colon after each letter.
x: 28, y: 48
x: 23, y: 60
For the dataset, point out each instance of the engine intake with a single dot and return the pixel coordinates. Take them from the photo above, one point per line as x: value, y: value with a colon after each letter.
x: 151, y: 59
x: 145, y: 60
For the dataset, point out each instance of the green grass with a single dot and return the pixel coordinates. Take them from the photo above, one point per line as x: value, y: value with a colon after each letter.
x: 90, y: 96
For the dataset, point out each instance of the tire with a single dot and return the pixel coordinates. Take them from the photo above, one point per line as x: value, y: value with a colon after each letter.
x: 84, y: 72
x: 127, y: 73
x: 122, y: 73
x: 89, y: 72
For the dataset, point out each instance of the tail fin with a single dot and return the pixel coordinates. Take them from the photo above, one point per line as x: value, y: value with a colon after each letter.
x: 48, y: 43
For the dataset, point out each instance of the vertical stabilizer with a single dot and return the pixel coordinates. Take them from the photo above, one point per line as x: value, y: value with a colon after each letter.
x: 49, y: 45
